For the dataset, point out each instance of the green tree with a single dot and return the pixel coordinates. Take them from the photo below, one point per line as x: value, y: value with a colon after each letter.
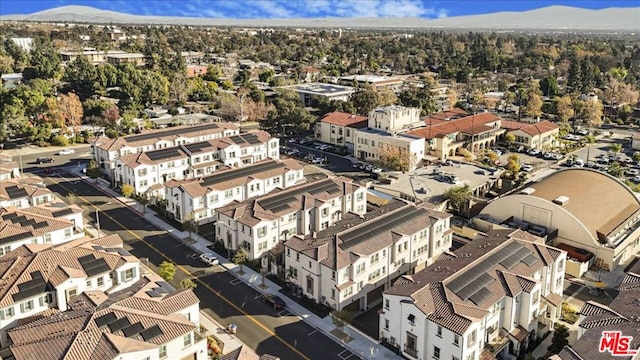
x: 564, y: 108
x: 509, y: 138
x: 341, y: 318
x: 549, y: 86
x: 167, y: 270
x: 190, y: 224
x: 457, y: 197
x: 93, y: 170
x: 44, y: 60
x: 560, y: 339
x: 419, y: 97
x: 187, y: 283
x: 616, y: 148
x: 616, y: 170
x: 364, y: 99
x: 266, y: 75
x: 239, y: 258
x: 82, y: 77
x: 127, y: 190
x: 288, y: 112
x: 213, y: 73
x: 624, y: 112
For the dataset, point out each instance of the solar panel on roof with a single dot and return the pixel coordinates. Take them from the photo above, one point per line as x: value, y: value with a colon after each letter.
x: 16, y: 237
x: 277, y: 209
x: 26, y: 223
x: 252, y: 139
x: 237, y: 139
x: 30, y: 288
x: 166, y: 285
x: 18, y: 219
x: 14, y: 192
x: 163, y: 154
x: 93, y: 266
x: 160, y: 290
x: 197, y: 147
x: 132, y: 330
x: 515, y: 258
x: 383, y: 225
x: 119, y: 324
x: 9, y: 216
x: 530, y: 260
x: 40, y: 225
x: 240, y: 173
x: 290, y: 195
x: 482, y: 295
x: 171, y: 132
x: 153, y: 293
x: 62, y: 212
x: 150, y: 333
x: 105, y: 319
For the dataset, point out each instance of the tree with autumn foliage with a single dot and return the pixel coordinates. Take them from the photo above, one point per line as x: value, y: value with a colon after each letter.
x: 111, y: 115
x: 71, y: 110
x: 397, y: 159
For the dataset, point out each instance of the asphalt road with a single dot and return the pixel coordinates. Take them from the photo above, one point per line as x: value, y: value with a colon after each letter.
x: 223, y: 297
x: 82, y: 155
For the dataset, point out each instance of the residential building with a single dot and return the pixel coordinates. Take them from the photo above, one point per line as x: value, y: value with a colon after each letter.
x: 586, y: 209
x: 485, y: 300
x: 37, y: 278
x: 11, y: 80
x: 447, y: 134
x: 386, y: 135
x: 596, y: 319
x: 39, y: 225
x: 196, y: 70
x: 24, y: 192
x: 148, y: 171
x: 350, y: 264
x: 148, y: 320
x: 9, y: 169
x: 338, y: 128
x: 92, y: 55
x: 198, y: 198
x: 259, y: 225
x: 541, y: 135
x: 23, y: 43
x: 330, y: 92
x: 136, y: 59
x: 106, y: 150
x: 379, y: 82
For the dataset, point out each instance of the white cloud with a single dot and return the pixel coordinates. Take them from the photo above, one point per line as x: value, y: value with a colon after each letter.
x: 442, y: 13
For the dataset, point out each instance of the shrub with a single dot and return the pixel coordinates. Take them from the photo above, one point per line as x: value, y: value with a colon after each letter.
x: 59, y: 140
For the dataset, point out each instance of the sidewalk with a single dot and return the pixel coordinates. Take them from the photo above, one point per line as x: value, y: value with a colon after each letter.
x: 361, y: 345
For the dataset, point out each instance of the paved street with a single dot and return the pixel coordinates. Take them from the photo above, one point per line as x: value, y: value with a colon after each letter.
x: 223, y: 297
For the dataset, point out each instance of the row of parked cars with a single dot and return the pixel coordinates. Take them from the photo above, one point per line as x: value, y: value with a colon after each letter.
x: 367, y: 167
x: 310, y: 158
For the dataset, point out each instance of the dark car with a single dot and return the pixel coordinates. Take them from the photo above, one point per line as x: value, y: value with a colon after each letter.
x: 274, y: 300
x: 44, y: 160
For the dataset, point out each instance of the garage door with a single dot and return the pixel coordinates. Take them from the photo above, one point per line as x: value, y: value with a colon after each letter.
x: 375, y: 294
x: 354, y: 306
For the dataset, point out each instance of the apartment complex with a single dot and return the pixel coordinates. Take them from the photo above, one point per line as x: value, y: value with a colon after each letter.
x: 50, y: 224
x: 148, y: 171
x: 350, y: 264
x: 198, y: 198
x: 105, y: 150
x: 24, y: 192
x: 42, y: 279
x: 339, y: 128
x: 92, y: 55
x: 386, y: 135
x: 259, y: 225
x: 487, y: 299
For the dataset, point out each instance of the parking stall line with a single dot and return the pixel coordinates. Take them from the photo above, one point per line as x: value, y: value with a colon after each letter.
x: 235, y: 282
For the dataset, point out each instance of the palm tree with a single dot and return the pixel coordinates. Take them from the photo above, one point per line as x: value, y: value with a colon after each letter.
x: 590, y: 139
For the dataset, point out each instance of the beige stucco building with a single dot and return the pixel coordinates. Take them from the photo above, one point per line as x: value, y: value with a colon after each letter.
x: 338, y: 128
x: 542, y: 135
x: 590, y: 210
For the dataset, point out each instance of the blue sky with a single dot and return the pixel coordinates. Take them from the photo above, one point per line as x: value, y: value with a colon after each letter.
x: 306, y: 8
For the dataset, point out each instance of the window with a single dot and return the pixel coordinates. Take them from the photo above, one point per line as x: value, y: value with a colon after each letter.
x: 360, y: 196
x: 228, y: 193
x: 186, y: 341
x: 129, y: 274
x: 71, y: 293
x: 67, y: 232
x: 45, y: 299
x: 386, y: 303
x: 472, y: 338
x: 333, y: 293
x: 439, y: 333
x: 26, y: 306
x: 100, y: 281
x: 262, y: 231
x: 294, y: 272
x: 359, y: 268
x: 6, y: 313
x: 162, y: 353
x: 88, y: 284
x: 410, y: 346
x: 375, y: 258
x: 436, y: 352
x: 456, y: 340
x: 310, y: 285
x: 386, y: 324
x: 297, y: 256
x: 47, y: 238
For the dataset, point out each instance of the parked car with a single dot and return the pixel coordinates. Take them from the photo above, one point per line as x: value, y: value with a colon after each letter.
x: 526, y: 167
x: 632, y: 172
x: 274, y: 300
x: 209, y: 259
x: 305, y: 141
x: 66, y: 152
x: 319, y: 160
x: 322, y: 147
x: 533, y: 152
x: 376, y: 170
x: 44, y: 160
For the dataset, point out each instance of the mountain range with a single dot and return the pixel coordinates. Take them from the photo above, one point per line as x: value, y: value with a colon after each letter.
x: 559, y: 18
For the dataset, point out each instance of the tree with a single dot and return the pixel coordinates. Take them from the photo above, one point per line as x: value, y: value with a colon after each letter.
x: 71, y: 110
x: 44, y: 60
x: 239, y: 258
x: 590, y: 140
x: 533, y: 100
x: 93, y: 170
x: 266, y: 75
x: 82, y: 77
x: 341, y: 318
x: 396, y: 158
x: 190, y: 224
x: 549, y: 86
x: 418, y: 97
x: 144, y: 201
x: 513, y: 164
x: 452, y: 98
x: 213, y: 73
x: 111, y: 115
x: 127, y: 190
x: 564, y: 108
x: 187, y: 283
x: 167, y: 270
x: 364, y: 99
x: 560, y: 339
x: 624, y: 112
x: 509, y: 138
x: 616, y: 170
x: 179, y: 89
x: 457, y: 197
x: 592, y: 112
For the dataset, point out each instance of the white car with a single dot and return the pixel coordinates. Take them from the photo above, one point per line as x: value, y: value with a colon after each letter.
x: 376, y: 170
x: 526, y: 167
x: 209, y: 259
x: 66, y: 152
x: 633, y: 172
x: 636, y: 179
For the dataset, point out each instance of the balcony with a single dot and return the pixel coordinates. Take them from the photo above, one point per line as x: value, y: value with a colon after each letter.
x: 498, y: 343
x: 411, y: 351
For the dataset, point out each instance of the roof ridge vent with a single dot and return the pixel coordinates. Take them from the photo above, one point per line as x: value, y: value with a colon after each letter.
x: 561, y: 200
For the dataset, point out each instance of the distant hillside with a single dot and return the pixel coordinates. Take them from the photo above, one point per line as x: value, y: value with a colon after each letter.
x: 544, y: 19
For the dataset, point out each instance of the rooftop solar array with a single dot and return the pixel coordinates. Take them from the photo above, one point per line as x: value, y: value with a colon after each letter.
x: 132, y: 330
x: 63, y: 212
x: 119, y: 324
x: 382, y: 225
x: 93, y: 266
x: 251, y: 139
x: 197, y: 147
x: 281, y: 200
x: 240, y: 173
x: 166, y: 286
x: 153, y: 294
x: 163, y: 154
x: 16, y: 237
x: 170, y: 132
x: 472, y: 284
x: 151, y: 333
x: 15, y: 192
x: 9, y: 216
x: 105, y: 319
x: 31, y: 288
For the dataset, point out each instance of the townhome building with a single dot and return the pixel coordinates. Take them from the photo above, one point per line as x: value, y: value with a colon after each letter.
x: 148, y: 320
x: 148, y: 171
x: 8, y: 169
x: 38, y: 278
x: 24, y: 192
x: 387, y: 134
x: 198, y: 198
x: 541, y: 135
x: 38, y: 225
x: 259, y: 225
x: 339, y: 128
x: 617, y: 320
x: 106, y: 150
x: 485, y: 300
x: 349, y: 265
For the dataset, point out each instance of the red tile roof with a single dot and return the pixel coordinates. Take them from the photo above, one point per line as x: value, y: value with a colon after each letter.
x: 512, y: 125
x: 469, y: 124
x: 447, y: 114
x: 345, y: 119
x: 540, y: 128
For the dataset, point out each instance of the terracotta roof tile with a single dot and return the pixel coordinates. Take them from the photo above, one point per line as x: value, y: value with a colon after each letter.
x: 472, y: 124
x: 345, y: 119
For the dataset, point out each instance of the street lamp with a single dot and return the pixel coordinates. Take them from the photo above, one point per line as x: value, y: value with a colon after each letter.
x: 98, y: 217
